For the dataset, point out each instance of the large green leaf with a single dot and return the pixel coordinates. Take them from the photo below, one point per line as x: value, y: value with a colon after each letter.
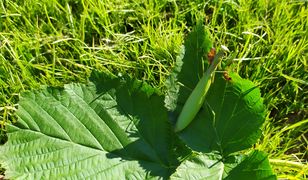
x: 233, y: 112
x: 83, y: 132
x: 254, y: 166
x: 230, y: 119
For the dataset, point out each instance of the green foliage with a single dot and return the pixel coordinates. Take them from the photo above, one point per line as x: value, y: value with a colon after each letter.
x: 118, y: 131
x: 118, y: 127
x: 54, y: 42
x: 231, y: 117
x: 206, y: 166
x: 113, y: 133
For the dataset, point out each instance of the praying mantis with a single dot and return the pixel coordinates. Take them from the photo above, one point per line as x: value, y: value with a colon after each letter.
x: 197, y: 97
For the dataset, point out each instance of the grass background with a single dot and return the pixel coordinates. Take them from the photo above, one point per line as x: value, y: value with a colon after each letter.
x: 53, y: 42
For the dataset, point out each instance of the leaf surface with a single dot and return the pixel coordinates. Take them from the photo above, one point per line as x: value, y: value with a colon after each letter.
x: 84, y: 132
x: 254, y: 166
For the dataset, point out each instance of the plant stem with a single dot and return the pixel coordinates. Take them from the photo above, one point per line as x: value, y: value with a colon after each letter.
x: 291, y: 164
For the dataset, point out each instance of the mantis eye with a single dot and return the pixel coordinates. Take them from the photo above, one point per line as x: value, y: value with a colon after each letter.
x: 226, y: 76
x: 211, y: 55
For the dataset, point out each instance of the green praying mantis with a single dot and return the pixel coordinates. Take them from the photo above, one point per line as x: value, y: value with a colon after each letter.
x: 197, y: 97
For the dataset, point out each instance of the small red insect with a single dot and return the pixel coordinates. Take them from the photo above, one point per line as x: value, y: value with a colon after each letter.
x: 211, y: 55
x: 226, y: 76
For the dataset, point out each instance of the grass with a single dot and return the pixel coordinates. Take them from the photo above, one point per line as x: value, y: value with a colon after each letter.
x: 53, y: 42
